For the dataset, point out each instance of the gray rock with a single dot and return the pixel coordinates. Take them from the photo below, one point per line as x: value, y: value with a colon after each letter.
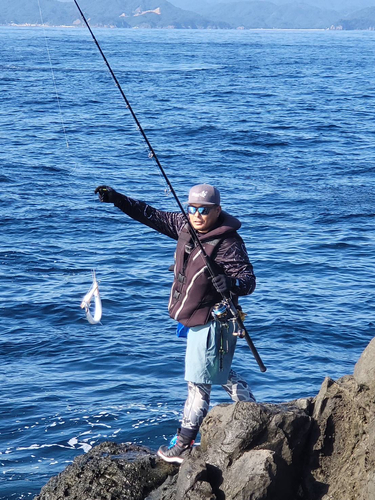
x: 341, y: 458
x: 192, y: 473
x: 309, y: 449
x: 364, y: 371
x: 167, y: 491
x: 109, y: 472
x: 251, y: 476
x: 229, y: 430
x: 248, y: 450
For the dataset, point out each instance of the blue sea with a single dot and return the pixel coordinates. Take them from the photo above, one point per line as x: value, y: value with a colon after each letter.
x: 282, y: 122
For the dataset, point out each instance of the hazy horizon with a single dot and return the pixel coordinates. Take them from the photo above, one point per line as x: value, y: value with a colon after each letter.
x: 322, y: 4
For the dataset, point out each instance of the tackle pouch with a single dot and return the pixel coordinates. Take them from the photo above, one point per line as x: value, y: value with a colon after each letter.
x: 182, y: 331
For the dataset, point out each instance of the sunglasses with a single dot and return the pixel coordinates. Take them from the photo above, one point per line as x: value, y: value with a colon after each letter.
x: 200, y: 210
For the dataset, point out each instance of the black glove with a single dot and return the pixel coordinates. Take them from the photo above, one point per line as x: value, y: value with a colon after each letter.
x: 106, y: 194
x: 222, y: 283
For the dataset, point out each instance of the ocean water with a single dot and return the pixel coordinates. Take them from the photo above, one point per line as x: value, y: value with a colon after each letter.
x: 282, y: 122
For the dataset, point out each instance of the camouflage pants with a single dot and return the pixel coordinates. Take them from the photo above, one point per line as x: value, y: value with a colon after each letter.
x: 198, y: 400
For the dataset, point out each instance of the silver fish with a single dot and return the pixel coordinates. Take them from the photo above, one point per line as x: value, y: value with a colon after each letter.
x: 85, y: 304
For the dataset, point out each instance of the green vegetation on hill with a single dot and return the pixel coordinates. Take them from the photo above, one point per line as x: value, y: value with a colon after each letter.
x: 362, y: 20
x: 247, y: 14
x: 267, y: 15
x: 118, y: 13
x: 27, y: 11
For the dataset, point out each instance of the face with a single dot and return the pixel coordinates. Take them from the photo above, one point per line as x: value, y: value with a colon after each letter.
x: 203, y: 223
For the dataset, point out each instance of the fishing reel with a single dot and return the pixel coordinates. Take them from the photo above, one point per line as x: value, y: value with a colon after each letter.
x: 240, y: 333
x: 222, y: 313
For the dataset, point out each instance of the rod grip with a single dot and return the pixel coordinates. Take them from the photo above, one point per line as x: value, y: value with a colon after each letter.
x: 250, y: 343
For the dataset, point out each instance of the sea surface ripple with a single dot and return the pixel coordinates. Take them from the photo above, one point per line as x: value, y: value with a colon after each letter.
x: 282, y: 122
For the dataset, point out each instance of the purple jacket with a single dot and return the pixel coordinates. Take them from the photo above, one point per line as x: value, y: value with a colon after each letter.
x: 193, y: 295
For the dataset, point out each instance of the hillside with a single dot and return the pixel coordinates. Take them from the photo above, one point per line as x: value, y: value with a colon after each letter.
x: 116, y: 13
x: 361, y: 20
x: 24, y: 11
x: 267, y: 15
x: 344, y: 7
x: 146, y: 14
x: 230, y: 14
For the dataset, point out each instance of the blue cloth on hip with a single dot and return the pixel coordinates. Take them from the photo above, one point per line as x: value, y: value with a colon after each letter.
x: 182, y: 331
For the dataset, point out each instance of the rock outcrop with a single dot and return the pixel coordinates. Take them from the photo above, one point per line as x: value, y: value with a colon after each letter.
x: 109, y: 471
x: 341, y: 450
x: 311, y: 449
x: 248, y: 450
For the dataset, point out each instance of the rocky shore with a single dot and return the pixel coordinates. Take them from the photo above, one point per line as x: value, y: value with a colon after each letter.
x: 320, y: 448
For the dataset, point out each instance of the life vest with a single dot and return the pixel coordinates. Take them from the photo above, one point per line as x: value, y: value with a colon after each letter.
x: 193, y: 295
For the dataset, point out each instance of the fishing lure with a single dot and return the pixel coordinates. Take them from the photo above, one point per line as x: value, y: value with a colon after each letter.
x: 85, y: 304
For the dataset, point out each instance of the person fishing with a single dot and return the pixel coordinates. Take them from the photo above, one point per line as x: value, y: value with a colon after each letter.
x: 196, y: 295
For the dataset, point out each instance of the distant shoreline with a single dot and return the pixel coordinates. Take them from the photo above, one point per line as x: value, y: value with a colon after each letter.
x: 81, y: 26
x: 171, y: 28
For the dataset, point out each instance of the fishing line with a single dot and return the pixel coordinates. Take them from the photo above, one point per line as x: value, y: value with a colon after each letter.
x: 152, y: 153
x: 226, y: 297
x: 94, y: 290
x: 53, y: 76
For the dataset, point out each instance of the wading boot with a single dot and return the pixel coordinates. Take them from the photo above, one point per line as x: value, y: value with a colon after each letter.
x: 177, y: 450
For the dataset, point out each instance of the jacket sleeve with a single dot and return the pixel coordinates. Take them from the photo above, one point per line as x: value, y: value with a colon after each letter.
x: 232, y: 257
x: 167, y: 223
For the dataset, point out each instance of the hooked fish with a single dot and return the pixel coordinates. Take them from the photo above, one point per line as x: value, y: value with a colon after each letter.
x: 85, y: 304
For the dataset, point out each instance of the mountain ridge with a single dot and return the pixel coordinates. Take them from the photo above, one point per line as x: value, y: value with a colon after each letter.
x: 114, y: 13
x: 239, y: 14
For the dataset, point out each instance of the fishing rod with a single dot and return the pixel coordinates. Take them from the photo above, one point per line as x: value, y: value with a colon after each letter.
x: 226, y: 297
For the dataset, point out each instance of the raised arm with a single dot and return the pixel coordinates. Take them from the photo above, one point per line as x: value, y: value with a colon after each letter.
x: 167, y: 223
